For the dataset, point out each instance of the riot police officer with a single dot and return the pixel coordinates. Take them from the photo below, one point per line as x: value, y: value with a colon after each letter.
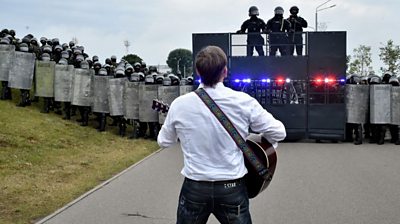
x: 377, y: 130
x: 254, y: 26
x: 353, y: 128
x: 297, y: 24
x: 277, y: 28
x: 393, y: 128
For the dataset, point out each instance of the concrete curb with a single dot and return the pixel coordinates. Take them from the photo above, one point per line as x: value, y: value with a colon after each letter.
x: 98, y: 187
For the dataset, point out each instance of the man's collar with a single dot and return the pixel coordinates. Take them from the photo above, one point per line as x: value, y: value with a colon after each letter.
x: 218, y: 85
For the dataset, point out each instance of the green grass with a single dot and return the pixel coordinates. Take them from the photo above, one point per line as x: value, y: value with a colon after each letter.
x: 46, y: 162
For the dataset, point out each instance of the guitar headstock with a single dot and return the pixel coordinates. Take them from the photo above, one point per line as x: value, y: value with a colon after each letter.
x: 160, y: 106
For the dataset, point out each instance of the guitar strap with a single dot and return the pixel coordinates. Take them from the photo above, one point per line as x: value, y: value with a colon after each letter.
x: 233, y: 132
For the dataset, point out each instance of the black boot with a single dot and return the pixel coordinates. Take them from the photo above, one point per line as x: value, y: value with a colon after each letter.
x: 122, y: 127
x: 102, y: 122
x: 381, y: 134
x: 135, y: 130
x: 23, y: 100
x: 67, y: 111
x: 85, y: 117
x: 358, y: 135
x: 46, y: 105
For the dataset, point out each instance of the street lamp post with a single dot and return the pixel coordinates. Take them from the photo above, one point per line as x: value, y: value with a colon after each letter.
x: 177, y: 66
x: 318, y: 9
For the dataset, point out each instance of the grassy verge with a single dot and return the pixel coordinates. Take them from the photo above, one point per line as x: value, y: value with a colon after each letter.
x: 46, y: 162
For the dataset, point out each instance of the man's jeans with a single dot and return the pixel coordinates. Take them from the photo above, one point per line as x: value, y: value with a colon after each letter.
x: 227, y: 200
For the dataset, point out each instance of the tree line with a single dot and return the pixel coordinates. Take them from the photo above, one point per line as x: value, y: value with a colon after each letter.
x: 360, y: 62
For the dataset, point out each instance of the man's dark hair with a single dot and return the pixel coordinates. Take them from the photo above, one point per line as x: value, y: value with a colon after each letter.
x: 210, y: 62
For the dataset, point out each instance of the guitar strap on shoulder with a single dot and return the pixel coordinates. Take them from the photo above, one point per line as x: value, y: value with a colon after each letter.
x: 233, y: 132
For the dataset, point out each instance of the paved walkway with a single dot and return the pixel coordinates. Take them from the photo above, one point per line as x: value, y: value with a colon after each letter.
x: 313, y: 183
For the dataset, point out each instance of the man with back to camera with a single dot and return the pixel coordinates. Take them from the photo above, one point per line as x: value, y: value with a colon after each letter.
x: 213, y: 164
x: 254, y: 26
x: 297, y: 24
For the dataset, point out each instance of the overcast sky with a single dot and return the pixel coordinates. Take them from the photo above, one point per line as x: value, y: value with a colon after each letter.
x: 155, y: 27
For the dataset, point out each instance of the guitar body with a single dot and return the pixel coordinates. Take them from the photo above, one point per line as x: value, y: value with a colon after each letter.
x: 267, y: 156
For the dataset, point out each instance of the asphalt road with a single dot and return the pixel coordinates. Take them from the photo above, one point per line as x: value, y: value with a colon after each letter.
x: 313, y: 183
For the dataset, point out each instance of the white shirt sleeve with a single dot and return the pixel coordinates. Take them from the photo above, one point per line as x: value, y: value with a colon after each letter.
x: 263, y: 122
x: 167, y: 135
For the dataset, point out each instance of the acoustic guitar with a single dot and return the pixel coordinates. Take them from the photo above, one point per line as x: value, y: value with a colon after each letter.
x: 266, y: 154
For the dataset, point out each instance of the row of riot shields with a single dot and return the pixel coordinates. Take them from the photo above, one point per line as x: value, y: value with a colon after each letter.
x: 375, y: 104
x: 16, y: 68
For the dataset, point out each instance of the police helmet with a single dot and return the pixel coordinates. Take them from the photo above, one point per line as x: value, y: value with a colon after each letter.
x: 375, y: 80
x: 64, y: 54
x: 77, y: 51
x: 64, y: 46
x: 294, y: 10
x: 5, y: 31
x: 253, y: 11
x: 394, y: 81
x: 24, y: 47
x: 12, y: 32
x: 26, y: 40
x: 141, y: 76
x: 5, y: 40
x: 71, y: 43
x: 43, y: 40
x: 49, y: 42
x: 95, y: 58
x: 190, y: 80
x: 34, y: 41
x: 137, y: 64
x: 58, y: 48
x: 47, y: 48
x: 55, y: 41
x: 143, y: 64
x: 103, y: 71
x: 107, y: 66
x: 97, y: 64
x: 113, y: 58
x: 153, y: 69
x: 108, y: 61
x: 174, y: 79
x: 45, y: 57
x: 80, y: 58
x: 85, y: 64
x: 159, y: 79
x: 120, y: 72
x: 63, y: 61
x: 128, y: 67
x: 279, y: 10
x: 149, y: 79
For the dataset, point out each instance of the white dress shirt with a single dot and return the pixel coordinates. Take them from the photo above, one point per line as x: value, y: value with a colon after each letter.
x: 210, y: 154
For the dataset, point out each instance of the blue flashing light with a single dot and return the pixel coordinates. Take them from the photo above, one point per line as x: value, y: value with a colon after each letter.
x: 237, y: 80
x: 268, y: 80
x: 246, y: 80
x: 199, y: 80
x: 263, y: 80
x: 342, y: 80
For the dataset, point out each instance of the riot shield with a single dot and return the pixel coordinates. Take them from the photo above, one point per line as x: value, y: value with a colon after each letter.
x: 21, y: 73
x: 7, y: 58
x: 100, y: 94
x: 116, y: 96
x: 166, y: 94
x: 131, y: 100
x: 81, y: 94
x: 146, y: 95
x: 44, y: 78
x: 185, y: 89
x: 357, y: 98
x: 395, y: 107
x: 63, y: 79
x: 380, y: 104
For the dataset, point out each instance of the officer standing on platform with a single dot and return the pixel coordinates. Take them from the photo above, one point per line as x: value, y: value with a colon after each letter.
x: 254, y: 26
x: 297, y: 24
x: 277, y: 28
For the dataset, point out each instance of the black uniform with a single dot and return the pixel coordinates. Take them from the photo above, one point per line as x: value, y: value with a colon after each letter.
x: 278, y: 38
x: 254, y: 27
x: 296, y: 39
